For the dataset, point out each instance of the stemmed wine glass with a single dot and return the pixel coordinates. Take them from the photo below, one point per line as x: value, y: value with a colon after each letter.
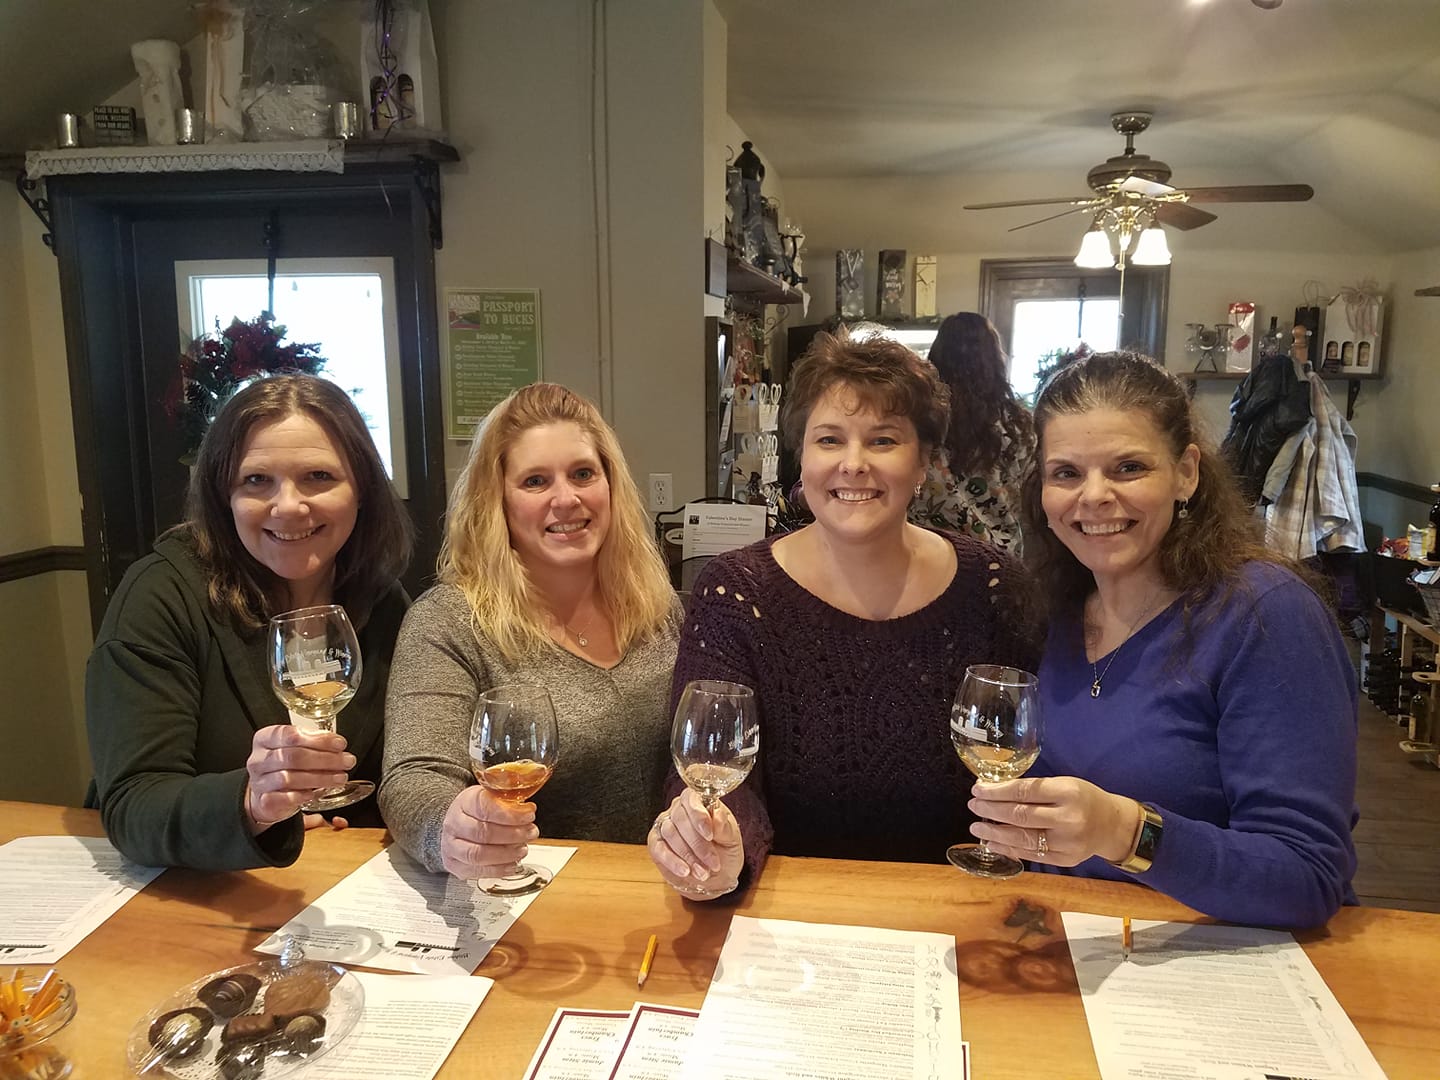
x: 996, y: 728
x: 713, y: 743
x: 514, y: 744
x: 315, y: 670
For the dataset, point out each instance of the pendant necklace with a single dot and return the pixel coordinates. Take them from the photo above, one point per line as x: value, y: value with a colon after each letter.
x: 580, y: 638
x: 1094, y: 666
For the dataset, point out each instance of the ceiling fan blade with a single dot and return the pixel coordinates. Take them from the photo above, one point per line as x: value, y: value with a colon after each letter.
x: 1075, y: 201
x: 1179, y: 215
x: 1052, y: 217
x: 1252, y: 193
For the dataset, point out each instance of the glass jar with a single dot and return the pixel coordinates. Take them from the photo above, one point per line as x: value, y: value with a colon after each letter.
x: 43, y: 1051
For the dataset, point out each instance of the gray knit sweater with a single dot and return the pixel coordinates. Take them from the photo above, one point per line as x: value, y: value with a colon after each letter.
x: 614, y: 728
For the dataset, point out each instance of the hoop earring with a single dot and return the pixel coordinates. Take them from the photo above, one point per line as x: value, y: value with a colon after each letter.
x: 1182, y: 509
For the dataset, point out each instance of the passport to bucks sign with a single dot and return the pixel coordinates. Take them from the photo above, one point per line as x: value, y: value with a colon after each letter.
x: 493, y: 344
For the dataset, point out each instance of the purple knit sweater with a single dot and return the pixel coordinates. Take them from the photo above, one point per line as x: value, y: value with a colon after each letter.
x: 855, y: 756
x: 1240, y: 732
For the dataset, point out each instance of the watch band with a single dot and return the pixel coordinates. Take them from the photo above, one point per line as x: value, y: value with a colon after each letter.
x: 1147, y: 841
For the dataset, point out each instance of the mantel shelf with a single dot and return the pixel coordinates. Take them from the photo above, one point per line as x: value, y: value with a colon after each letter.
x: 756, y: 284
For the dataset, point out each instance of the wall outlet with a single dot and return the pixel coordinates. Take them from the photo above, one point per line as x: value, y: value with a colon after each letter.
x: 662, y: 495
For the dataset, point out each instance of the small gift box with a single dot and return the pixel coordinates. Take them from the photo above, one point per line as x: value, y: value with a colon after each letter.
x: 1350, y: 327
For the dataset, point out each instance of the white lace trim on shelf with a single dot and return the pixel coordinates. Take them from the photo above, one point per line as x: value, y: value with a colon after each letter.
x: 310, y: 155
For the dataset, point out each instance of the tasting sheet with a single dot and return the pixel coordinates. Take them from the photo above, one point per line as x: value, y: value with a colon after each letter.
x: 409, y: 1027
x: 1198, y: 1002
x: 54, y: 890
x: 824, y: 1002
x: 392, y: 913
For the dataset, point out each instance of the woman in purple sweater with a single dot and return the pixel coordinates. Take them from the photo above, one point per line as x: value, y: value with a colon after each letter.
x: 1200, y: 707
x: 854, y: 633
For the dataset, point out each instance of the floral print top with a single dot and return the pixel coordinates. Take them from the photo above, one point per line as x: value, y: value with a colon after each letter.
x: 985, y: 506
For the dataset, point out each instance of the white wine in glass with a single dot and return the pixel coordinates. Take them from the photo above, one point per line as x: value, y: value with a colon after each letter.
x: 995, y: 727
x: 714, y: 743
x: 315, y: 670
x: 514, y: 744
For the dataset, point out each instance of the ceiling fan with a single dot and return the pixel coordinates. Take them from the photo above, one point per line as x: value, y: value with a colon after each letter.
x: 1131, y: 181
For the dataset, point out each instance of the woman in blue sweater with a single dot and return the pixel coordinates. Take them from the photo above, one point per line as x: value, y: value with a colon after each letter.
x: 1200, y: 706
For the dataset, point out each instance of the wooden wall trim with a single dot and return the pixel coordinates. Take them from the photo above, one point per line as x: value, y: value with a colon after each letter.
x: 1404, y: 488
x: 44, y: 560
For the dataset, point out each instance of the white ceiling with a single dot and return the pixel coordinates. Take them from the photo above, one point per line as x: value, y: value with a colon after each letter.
x: 1341, y: 94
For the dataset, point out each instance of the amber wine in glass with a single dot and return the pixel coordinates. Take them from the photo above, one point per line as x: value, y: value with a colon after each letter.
x: 995, y: 727
x: 713, y: 743
x: 315, y: 670
x: 514, y: 743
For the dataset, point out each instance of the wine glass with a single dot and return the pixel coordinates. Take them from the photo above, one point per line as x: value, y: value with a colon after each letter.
x: 514, y: 744
x: 315, y: 670
x: 713, y: 743
x: 996, y: 728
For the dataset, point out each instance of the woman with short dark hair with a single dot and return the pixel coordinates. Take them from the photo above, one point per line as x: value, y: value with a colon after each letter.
x: 854, y: 633
x: 289, y: 506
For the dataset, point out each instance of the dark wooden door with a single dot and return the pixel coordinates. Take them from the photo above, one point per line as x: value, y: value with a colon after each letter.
x: 118, y: 239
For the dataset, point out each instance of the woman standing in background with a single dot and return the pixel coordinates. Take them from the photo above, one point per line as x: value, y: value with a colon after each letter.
x: 973, y: 484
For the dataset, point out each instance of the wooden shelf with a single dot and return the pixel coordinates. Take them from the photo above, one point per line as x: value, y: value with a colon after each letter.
x: 750, y: 281
x: 1236, y: 376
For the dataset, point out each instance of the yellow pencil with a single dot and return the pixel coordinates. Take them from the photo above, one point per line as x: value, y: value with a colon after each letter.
x: 645, y: 963
x: 1126, y: 939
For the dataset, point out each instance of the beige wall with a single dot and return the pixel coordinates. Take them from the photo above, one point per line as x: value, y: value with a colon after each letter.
x: 44, y: 620
x: 583, y: 147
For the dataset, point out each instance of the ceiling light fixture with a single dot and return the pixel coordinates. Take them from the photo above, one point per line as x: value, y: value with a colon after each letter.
x: 1130, y: 219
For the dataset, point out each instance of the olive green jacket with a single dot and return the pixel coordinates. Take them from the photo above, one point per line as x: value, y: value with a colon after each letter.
x: 174, y: 694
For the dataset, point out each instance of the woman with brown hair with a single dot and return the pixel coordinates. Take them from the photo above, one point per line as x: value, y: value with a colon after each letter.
x: 973, y: 485
x: 1200, y: 707
x: 289, y: 506
x: 549, y: 575
x: 854, y: 632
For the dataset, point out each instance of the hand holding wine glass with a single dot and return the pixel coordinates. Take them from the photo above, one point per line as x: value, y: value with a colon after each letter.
x: 714, y: 742
x: 315, y: 670
x: 996, y: 728
x: 514, y: 745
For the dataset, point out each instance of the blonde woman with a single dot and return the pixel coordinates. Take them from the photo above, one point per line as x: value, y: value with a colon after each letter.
x: 548, y: 576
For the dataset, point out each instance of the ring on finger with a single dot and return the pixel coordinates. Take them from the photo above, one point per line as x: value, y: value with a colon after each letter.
x: 1042, y: 843
x: 660, y: 821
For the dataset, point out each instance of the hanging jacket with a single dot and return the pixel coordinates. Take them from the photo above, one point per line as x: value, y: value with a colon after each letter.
x: 1314, y: 499
x: 1269, y: 406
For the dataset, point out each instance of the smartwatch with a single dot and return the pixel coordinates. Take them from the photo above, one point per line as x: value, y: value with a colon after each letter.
x: 1147, y: 841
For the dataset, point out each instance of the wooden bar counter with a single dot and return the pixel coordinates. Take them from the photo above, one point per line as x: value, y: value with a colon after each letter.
x: 581, y: 942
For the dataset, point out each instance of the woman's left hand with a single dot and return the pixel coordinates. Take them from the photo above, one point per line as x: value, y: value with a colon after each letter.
x: 1060, y: 820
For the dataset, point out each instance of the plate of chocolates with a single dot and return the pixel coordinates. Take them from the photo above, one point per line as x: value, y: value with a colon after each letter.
x: 257, y: 1020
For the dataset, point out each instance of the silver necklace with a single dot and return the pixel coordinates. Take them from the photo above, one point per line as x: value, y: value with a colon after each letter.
x: 1094, y: 665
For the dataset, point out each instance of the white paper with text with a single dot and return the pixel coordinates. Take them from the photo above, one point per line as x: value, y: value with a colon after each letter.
x: 1198, y: 1002
x: 392, y: 913
x: 579, y: 1044
x: 55, y: 890
x: 655, y: 1043
x: 409, y: 1027
x: 824, y: 1002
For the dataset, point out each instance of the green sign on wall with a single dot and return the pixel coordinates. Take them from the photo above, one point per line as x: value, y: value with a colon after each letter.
x: 493, y: 346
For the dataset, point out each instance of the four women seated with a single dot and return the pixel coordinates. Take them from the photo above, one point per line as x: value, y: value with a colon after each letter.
x: 1200, y: 706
